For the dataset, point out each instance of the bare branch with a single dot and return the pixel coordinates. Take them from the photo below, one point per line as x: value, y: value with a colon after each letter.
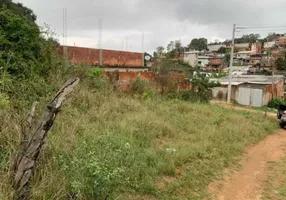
x: 27, y: 157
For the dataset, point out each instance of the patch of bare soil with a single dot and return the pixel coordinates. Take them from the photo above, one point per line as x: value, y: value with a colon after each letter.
x: 247, y: 184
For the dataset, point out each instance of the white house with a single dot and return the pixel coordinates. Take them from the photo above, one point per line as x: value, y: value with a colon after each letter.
x: 191, y: 58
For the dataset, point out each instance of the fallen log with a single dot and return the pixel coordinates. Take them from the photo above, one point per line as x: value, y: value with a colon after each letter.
x: 32, y: 142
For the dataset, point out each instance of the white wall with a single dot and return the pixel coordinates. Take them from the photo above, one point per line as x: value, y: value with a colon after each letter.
x: 191, y: 59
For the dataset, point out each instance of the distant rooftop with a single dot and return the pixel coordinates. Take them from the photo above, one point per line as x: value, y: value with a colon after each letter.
x: 253, y: 79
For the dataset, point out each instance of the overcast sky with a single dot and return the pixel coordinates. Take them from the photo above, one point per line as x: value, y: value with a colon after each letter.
x: 160, y: 20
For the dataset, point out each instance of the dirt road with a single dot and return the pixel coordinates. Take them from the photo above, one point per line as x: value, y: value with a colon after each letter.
x: 247, y: 183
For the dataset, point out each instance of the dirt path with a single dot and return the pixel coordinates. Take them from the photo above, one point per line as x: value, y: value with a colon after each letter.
x: 247, y: 183
x: 226, y: 105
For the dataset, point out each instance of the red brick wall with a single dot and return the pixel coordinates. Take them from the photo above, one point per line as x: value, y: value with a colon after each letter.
x: 81, y: 55
x: 125, y: 79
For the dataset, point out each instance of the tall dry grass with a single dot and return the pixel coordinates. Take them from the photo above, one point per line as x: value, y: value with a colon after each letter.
x: 111, y: 145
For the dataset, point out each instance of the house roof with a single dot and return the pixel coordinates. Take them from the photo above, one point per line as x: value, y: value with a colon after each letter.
x: 232, y: 83
x: 242, y: 45
x: 203, y: 57
x: 251, y: 79
x: 215, y: 47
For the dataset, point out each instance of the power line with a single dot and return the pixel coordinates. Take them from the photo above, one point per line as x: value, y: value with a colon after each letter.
x: 249, y: 30
x: 258, y: 27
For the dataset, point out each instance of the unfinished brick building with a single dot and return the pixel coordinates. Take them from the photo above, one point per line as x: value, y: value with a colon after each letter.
x: 110, y: 58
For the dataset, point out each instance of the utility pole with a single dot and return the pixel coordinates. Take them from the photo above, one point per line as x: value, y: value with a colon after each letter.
x: 100, y: 41
x: 143, y: 49
x: 230, y: 66
x: 273, y: 79
x: 65, y: 48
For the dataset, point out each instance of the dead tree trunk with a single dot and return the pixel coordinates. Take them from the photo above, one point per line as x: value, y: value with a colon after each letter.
x: 32, y: 142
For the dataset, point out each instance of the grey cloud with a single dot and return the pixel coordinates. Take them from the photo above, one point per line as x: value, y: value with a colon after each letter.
x: 162, y: 20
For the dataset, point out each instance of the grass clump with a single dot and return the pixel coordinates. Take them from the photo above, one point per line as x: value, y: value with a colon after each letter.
x: 275, y: 186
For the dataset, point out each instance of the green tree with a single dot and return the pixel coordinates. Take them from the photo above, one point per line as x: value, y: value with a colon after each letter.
x: 199, y: 44
x: 174, y: 49
x: 280, y: 64
x: 155, y: 54
x: 222, y: 50
x: 160, y: 50
x: 20, y: 43
x: 18, y: 9
x: 170, y: 46
x: 178, y: 44
x: 271, y: 37
x: 251, y: 38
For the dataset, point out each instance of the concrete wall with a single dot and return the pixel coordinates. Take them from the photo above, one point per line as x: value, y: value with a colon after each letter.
x: 80, y: 55
x: 278, y: 92
x: 191, y: 59
x: 219, y: 93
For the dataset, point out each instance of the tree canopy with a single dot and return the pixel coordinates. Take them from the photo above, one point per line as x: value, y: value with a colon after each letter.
x: 199, y: 44
x: 174, y: 49
x: 160, y: 50
x: 18, y: 9
x: 22, y: 48
x: 222, y: 50
x: 280, y: 64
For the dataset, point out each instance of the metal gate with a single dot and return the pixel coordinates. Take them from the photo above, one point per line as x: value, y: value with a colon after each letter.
x: 250, y: 97
x: 256, y: 97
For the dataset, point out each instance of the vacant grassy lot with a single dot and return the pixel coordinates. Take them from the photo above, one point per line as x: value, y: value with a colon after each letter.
x: 275, y: 186
x: 105, y: 145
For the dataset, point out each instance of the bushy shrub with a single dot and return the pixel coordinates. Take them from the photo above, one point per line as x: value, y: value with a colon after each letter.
x: 97, y: 172
x: 196, y: 96
x: 141, y: 87
x: 96, y: 72
x: 276, y: 102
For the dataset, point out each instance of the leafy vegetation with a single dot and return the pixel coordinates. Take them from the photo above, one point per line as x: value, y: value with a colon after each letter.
x: 276, y: 102
x: 27, y: 56
x: 199, y: 44
x: 19, y: 9
x: 108, y: 145
x: 280, y: 64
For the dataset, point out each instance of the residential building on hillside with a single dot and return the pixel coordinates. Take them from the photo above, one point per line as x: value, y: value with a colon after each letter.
x: 255, y: 59
x: 256, y: 48
x: 269, y: 45
x: 191, y: 58
x: 203, y: 61
x: 281, y: 42
x: 216, y: 64
x: 242, y: 47
x: 266, y: 63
